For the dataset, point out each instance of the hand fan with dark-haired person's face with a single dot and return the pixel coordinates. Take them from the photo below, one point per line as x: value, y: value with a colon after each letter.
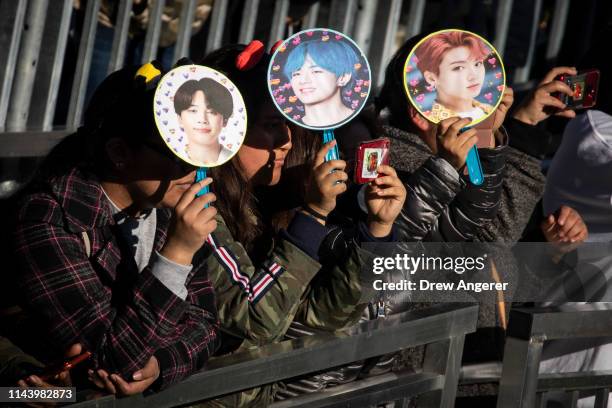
x: 201, y: 116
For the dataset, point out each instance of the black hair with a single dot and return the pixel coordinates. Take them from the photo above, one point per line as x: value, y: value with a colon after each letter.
x: 392, y: 94
x: 252, y: 83
x: 217, y: 96
x: 236, y: 200
x: 121, y: 107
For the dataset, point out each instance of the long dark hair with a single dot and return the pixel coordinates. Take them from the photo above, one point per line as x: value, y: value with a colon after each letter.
x: 392, y: 95
x: 120, y: 107
x: 236, y: 201
x: 253, y: 216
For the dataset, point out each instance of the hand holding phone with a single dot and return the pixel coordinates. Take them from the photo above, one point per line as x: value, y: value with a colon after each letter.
x: 56, y: 369
x: 584, y: 87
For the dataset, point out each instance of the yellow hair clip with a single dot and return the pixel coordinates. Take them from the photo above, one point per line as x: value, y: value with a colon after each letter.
x: 149, y: 72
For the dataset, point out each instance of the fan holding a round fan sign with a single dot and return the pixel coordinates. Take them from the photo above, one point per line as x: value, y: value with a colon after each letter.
x: 456, y: 73
x: 319, y: 79
x: 201, y: 116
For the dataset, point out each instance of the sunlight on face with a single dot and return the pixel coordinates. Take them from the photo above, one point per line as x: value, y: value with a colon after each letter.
x: 201, y: 123
x: 313, y: 84
x: 460, y: 76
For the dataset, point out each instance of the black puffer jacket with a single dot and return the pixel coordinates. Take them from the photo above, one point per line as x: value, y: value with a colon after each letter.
x: 442, y: 205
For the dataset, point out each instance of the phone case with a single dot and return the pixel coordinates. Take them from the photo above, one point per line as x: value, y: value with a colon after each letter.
x: 585, y: 86
x: 369, y: 156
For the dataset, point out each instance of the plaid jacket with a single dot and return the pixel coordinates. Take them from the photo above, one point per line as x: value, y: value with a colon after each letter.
x: 101, y: 301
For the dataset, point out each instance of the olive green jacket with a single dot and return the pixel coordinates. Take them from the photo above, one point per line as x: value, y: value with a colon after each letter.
x: 258, y: 303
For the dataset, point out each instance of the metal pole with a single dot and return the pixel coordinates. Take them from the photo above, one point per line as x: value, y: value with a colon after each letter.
x: 49, y: 71
x: 392, y: 21
x: 522, y: 74
x: 12, y: 14
x: 312, y: 16
x: 81, y: 75
x: 25, y: 71
x: 502, y: 24
x: 181, y: 49
x: 558, y: 29
x: 120, y: 36
x: 217, y: 23
x: 519, y: 380
x: 151, y: 43
x: 277, y: 32
x: 248, y: 21
x: 365, y: 24
x: 341, y: 15
x: 415, y: 18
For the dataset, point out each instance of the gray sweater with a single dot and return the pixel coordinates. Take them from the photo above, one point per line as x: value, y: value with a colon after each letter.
x: 522, y: 185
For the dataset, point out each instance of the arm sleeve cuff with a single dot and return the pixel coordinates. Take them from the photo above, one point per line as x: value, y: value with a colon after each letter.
x: 529, y: 139
x: 171, y: 274
x: 365, y: 236
x: 306, y: 233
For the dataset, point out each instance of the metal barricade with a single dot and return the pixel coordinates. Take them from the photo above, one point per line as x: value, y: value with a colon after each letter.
x: 442, y: 328
x: 34, y: 58
x: 529, y: 329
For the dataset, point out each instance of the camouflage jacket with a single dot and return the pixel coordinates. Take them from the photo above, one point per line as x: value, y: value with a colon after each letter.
x: 258, y: 303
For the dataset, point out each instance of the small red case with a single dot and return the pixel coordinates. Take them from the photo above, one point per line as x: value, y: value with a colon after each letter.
x: 369, y: 156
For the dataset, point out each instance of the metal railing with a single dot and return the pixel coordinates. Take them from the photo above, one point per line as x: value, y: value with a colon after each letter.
x: 442, y: 328
x: 34, y: 58
x: 521, y: 385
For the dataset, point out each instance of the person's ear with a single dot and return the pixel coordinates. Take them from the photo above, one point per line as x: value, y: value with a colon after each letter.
x: 418, y: 120
x: 344, y: 79
x: 430, y: 78
x: 118, y: 152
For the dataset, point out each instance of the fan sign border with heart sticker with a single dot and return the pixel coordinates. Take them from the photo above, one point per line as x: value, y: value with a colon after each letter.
x: 344, y: 54
x: 168, y: 120
x: 420, y: 87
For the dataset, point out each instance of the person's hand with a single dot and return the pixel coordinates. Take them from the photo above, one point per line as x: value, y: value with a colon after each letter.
x: 190, y: 225
x: 503, y: 108
x: 60, y: 380
x: 540, y: 104
x: 115, y: 384
x: 452, y: 146
x: 327, y: 182
x: 385, y: 198
x: 564, y: 226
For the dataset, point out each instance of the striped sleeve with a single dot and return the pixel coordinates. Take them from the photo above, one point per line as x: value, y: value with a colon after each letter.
x: 257, y: 302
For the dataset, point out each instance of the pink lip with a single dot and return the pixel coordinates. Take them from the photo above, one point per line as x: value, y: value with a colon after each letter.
x: 307, y: 90
x: 473, y: 87
x: 203, y: 130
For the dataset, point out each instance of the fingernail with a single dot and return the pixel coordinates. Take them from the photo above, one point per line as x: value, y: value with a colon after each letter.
x: 137, y: 376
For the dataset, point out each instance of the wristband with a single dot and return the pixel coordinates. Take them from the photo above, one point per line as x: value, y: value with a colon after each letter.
x: 314, y: 213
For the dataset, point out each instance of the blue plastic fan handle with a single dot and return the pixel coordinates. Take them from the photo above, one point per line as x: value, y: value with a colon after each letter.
x: 201, y: 175
x: 332, y: 154
x: 474, y: 167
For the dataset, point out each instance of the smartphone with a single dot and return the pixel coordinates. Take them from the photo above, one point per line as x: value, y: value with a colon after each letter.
x: 52, y: 371
x: 368, y: 157
x: 584, y: 86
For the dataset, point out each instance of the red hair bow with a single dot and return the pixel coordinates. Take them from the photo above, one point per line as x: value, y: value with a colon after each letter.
x: 251, y: 55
